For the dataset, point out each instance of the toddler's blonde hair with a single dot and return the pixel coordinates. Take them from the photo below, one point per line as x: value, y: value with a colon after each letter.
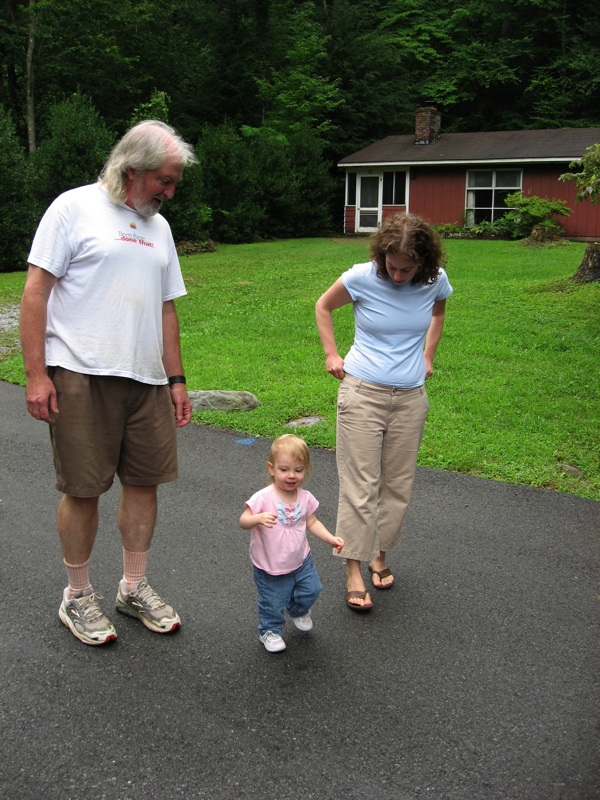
x: 295, y: 447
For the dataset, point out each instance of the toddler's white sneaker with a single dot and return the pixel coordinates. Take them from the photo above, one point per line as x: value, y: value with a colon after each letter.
x: 303, y: 623
x: 272, y: 642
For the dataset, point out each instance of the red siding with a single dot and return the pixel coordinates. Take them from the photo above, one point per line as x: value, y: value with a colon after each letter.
x: 389, y: 211
x: 543, y: 182
x: 438, y: 195
x: 350, y: 219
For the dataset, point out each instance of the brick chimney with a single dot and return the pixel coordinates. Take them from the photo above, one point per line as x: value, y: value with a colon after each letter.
x: 427, y: 124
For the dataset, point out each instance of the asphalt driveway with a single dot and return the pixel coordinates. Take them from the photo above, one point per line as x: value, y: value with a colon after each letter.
x: 475, y: 678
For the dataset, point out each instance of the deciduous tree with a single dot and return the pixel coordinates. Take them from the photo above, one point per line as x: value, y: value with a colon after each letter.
x: 586, y: 176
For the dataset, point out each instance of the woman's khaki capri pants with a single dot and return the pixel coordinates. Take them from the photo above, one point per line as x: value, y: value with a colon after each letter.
x: 379, y: 431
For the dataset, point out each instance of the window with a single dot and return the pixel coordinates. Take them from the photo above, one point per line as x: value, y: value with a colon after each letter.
x: 351, y: 189
x: 394, y: 189
x: 486, y: 193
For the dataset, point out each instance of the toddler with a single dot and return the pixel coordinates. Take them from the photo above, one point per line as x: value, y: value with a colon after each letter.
x: 279, y: 516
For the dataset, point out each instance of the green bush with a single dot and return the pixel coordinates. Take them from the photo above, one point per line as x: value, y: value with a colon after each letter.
x: 452, y: 230
x: 228, y: 184
x: 74, y: 151
x: 189, y: 216
x: 311, y: 213
x: 156, y: 108
x: 263, y: 185
x: 273, y: 185
x: 528, y: 212
x: 17, y: 218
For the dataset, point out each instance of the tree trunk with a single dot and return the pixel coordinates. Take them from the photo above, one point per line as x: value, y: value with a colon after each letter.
x: 589, y: 269
x: 30, y: 83
x: 542, y: 234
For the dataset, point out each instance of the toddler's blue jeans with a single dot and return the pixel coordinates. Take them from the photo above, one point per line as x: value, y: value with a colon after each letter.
x: 297, y: 591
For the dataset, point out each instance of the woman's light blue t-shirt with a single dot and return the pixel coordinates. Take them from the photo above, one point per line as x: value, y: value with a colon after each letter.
x: 390, y: 325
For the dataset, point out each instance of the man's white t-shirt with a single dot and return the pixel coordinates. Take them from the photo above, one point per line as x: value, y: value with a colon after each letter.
x: 115, y: 270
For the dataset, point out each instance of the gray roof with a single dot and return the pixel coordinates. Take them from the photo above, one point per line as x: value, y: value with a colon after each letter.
x: 551, y: 145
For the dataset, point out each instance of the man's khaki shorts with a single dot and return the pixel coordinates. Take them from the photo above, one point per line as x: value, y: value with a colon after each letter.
x: 107, y: 426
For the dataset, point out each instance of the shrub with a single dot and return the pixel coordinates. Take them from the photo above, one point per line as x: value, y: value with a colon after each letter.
x: 452, y: 230
x: 17, y: 218
x: 530, y: 211
x: 489, y: 230
x: 74, y: 151
x: 228, y: 184
x: 156, y: 108
x: 526, y: 213
x: 261, y: 184
x: 315, y: 188
x: 189, y: 216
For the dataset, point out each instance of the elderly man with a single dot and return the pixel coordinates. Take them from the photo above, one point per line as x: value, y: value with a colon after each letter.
x: 100, y: 339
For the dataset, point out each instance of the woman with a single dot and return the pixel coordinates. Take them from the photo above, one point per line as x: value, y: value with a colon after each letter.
x: 399, y: 301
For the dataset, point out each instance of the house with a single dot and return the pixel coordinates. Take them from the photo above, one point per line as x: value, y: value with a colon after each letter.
x: 463, y: 178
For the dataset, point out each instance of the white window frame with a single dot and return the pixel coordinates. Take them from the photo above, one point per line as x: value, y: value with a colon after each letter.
x: 399, y: 175
x: 497, y: 209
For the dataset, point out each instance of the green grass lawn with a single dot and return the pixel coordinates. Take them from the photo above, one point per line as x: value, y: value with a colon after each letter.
x: 515, y: 392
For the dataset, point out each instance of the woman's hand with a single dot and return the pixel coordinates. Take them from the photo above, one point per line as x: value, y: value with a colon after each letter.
x: 335, y: 297
x: 433, y: 335
x: 335, y: 366
x: 428, y: 367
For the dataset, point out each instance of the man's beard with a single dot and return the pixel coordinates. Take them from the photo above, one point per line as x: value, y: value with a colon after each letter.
x: 147, y: 209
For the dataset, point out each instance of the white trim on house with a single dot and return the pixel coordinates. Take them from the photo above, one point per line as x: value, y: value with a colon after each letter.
x: 462, y: 162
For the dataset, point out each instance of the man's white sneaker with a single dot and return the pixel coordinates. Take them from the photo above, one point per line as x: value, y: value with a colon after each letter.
x: 303, y: 623
x: 147, y: 606
x: 272, y: 642
x: 85, y: 619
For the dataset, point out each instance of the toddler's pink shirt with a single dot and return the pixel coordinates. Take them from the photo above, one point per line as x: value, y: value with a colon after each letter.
x: 282, y: 548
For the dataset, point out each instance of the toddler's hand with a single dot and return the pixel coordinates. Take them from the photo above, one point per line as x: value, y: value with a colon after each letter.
x: 267, y: 518
x: 338, y: 543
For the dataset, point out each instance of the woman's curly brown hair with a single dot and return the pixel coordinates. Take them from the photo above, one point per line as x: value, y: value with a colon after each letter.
x: 410, y: 236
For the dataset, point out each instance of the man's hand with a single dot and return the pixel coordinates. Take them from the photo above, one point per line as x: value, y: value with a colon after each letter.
x: 40, y: 396
x: 182, y: 404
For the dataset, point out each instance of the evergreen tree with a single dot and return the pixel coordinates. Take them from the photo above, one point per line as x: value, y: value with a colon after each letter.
x: 74, y: 151
x: 17, y: 220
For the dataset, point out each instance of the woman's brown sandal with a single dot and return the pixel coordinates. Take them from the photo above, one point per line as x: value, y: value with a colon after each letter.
x: 381, y: 574
x: 358, y: 596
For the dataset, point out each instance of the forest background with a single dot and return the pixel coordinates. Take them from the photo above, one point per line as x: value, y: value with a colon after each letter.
x: 272, y: 93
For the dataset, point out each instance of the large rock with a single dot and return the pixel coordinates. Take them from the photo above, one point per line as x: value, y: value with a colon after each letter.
x: 217, y: 400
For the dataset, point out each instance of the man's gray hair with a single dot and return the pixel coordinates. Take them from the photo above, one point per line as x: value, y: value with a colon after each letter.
x: 145, y: 146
